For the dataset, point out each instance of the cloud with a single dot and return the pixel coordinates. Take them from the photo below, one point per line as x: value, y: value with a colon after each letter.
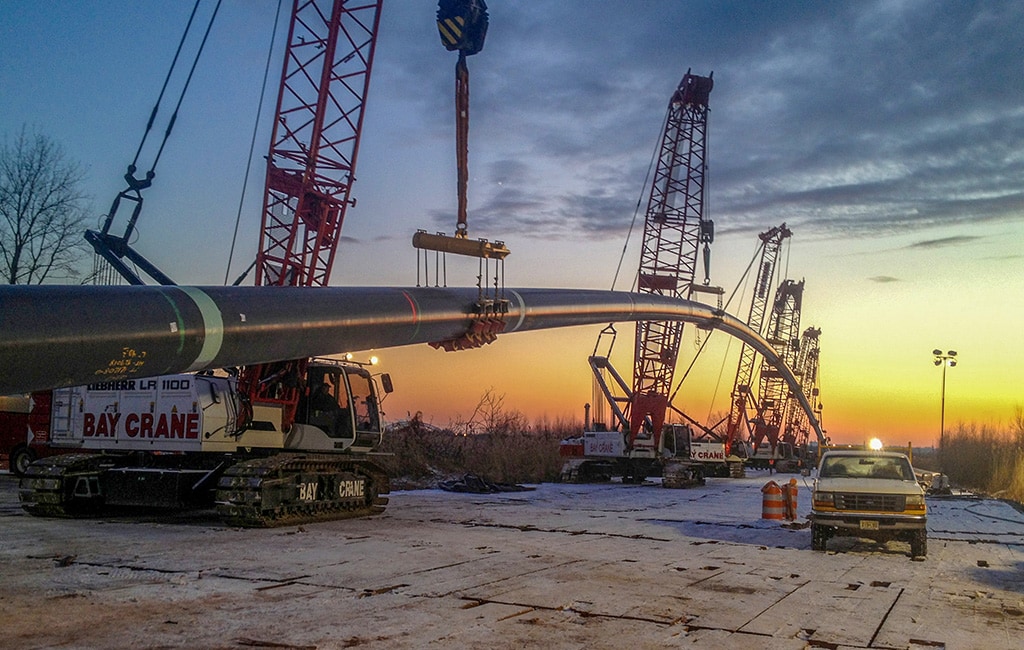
x: 862, y: 119
x: 945, y: 242
x: 883, y: 279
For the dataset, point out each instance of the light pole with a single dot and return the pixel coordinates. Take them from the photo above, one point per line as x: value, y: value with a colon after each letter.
x: 944, y: 360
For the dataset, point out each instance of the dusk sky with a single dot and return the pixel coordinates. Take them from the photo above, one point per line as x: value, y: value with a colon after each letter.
x: 889, y: 136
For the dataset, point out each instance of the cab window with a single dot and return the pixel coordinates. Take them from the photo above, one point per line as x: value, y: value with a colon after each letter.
x: 367, y: 417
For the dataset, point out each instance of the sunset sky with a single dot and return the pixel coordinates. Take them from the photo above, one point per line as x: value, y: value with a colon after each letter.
x: 889, y: 136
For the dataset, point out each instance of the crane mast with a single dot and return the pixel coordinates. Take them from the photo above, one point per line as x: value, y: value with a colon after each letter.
x: 674, y: 228
x: 311, y: 163
x: 315, y: 141
x: 782, y: 333
x: 797, y: 430
x: 771, y: 244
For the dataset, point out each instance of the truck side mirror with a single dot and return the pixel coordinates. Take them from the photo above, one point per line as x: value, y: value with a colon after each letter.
x: 385, y: 382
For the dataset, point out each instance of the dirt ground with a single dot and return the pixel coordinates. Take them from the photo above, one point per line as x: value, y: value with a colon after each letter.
x: 563, y: 566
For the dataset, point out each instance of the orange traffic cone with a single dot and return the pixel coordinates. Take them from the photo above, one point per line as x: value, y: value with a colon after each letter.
x: 772, y: 506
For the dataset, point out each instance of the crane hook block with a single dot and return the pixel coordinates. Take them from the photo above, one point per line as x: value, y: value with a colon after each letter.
x: 460, y: 245
x: 462, y: 25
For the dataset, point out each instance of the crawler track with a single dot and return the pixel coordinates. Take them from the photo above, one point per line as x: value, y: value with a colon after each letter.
x: 279, y: 490
x: 298, y: 488
x: 63, y: 486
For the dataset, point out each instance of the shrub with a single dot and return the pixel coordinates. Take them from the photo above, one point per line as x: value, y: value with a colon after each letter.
x: 987, y: 460
x: 496, y: 443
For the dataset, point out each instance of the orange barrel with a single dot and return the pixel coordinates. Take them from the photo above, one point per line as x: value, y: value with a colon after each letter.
x: 772, y: 506
x: 790, y: 498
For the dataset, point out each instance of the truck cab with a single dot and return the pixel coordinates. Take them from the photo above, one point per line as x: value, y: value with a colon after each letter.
x: 870, y: 494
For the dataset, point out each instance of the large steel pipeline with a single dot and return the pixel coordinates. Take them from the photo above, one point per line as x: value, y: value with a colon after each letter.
x: 53, y: 336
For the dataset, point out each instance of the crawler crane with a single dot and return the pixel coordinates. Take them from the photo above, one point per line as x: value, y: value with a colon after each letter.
x: 675, y: 230
x: 275, y: 443
x: 783, y: 325
x: 762, y: 422
x: 798, y: 430
x: 738, y: 431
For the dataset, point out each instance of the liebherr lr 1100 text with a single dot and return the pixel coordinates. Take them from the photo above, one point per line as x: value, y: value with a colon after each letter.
x: 184, y: 441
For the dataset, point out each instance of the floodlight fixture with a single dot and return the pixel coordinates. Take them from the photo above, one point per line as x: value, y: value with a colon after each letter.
x: 944, y: 360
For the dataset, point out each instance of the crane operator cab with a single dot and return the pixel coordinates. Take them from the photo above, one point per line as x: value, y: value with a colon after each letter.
x: 338, y: 409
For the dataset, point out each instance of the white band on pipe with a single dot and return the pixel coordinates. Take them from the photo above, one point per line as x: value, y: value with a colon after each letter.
x: 522, y: 310
x: 213, y: 328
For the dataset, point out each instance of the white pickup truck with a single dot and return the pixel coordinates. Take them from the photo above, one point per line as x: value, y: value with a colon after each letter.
x: 872, y: 494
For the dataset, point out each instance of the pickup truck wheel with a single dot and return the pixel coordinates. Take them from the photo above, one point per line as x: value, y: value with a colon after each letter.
x: 819, y: 537
x: 21, y: 458
x: 919, y: 543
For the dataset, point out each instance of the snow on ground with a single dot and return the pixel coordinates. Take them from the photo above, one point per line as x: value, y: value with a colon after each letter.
x: 562, y: 566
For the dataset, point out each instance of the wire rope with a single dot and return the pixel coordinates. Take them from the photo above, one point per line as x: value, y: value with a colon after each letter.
x: 252, y: 145
x: 167, y: 79
x: 639, y: 200
x: 188, y: 81
x: 739, y: 289
x: 741, y: 283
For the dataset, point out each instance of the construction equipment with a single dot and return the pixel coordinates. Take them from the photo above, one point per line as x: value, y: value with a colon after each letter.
x: 770, y: 412
x: 738, y: 429
x: 14, y: 445
x: 176, y: 441
x: 763, y: 428
x: 462, y: 25
x: 675, y: 228
x: 311, y: 168
x: 115, y: 251
x: 797, y: 432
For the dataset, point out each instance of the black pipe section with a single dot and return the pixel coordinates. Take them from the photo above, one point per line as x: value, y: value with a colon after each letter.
x: 52, y: 336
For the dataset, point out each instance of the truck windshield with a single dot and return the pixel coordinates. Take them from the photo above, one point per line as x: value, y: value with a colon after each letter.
x: 866, y: 467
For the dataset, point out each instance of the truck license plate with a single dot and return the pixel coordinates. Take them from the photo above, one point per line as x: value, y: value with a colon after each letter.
x: 868, y: 524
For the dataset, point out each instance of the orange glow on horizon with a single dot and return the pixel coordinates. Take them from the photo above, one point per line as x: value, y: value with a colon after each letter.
x: 545, y: 376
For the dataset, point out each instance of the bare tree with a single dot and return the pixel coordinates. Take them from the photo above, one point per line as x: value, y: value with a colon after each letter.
x: 42, y: 211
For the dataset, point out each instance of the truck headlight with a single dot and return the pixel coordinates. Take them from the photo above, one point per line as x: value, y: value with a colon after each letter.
x: 915, y: 502
x: 823, y: 500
